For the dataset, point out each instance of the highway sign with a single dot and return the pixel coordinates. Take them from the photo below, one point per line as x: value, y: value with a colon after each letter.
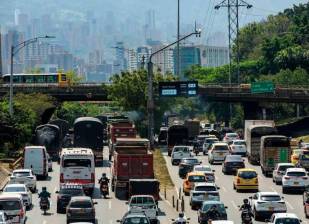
x: 262, y: 87
x: 178, y: 88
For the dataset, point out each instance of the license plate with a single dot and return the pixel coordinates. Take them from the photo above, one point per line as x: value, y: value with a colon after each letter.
x: 76, y: 172
x: 82, y: 211
x: 296, y: 183
x: 270, y: 208
x: 221, y: 154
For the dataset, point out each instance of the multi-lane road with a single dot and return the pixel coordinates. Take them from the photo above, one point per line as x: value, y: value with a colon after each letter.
x: 230, y: 197
x: 108, y: 211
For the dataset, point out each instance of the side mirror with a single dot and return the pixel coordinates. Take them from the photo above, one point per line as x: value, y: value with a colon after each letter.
x: 226, y: 207
x: 173, y: 220
x: 95, y: 203
x: 250, y: 197
x: 267, y: 220
x: 57, y: 192
x: 118, y: 220
x: 282, y: 197
x: 218, y: 188
x: 213, y: 170
x: 238, y: 206
x: 200, y: 162
x: 188, y: 218
x: 127, y: 202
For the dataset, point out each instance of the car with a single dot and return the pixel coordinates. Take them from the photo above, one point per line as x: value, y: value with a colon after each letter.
x: 208, y: 143
x: 306, y: 203
x: 279, y: 171
x: 246, y: 179
x: 66, y: 192
x: 186, y: 165
x: 50, y: 163
x: 238, y: 147
x: 191, y: 179
x: 264, y: 204
x: 145, y: 204
x: 81, y: 208
x: 230, y: 136
x: 4, y: 219
x: 178, y: 153
x: 12, y: 205
x: 295, y: 155
x: 206, y: 187
x: 209, y: 173
x: 283, y: 218
x: 134, y: 217
x: 294, y: 179
x: 303, y: 160
x: 218, y: 152
x: 24, y: 176
x: 22, y: 190
x: 305, y: 145
x: 203, y: 218
x: 198, y: 197
x: 232, y: 163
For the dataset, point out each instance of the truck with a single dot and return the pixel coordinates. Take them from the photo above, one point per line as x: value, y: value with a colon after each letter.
x: 274, y: 149
x: 144, y: 186
x: 193, y: 127
x: 132, y: 160
x: 122, y: 128
x: 176, y: 135
x: 88, y: 133
x: 254, y: 130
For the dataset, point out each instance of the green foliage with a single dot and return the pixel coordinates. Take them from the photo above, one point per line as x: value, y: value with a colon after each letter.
x: 73, y: 77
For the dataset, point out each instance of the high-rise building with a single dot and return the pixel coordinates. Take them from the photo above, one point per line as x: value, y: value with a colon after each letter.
x: 213, y: 56
x: 164, y: 60
x: 132, y: 60
x: 64, y: 61
x: 143, y: 54
x: 189, y: 55
x: 120, y: 64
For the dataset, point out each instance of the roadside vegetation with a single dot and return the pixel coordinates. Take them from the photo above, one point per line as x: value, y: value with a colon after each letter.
x: 161, y: 171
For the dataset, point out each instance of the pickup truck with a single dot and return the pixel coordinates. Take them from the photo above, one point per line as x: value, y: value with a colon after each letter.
x: 146, y: 204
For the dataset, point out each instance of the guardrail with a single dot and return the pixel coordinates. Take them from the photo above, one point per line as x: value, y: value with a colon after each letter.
x: 16, y: 164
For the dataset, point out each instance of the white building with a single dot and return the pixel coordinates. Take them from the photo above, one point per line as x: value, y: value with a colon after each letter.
x: 213, y: 56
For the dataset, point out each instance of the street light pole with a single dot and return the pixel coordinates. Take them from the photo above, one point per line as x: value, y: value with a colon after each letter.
x: 178, y: 37
x: 150, y: 100
x: 14, y: 51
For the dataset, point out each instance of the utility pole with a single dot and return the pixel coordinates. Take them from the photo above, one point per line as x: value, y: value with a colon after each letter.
x: 0, y: 53
x: 178, y: 37
x: 233, y: 26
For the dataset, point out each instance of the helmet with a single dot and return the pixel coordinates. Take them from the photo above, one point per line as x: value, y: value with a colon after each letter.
x: 43, y: 188
x: 103, y: 174
x: 181, y: 215
x: 246, y: 201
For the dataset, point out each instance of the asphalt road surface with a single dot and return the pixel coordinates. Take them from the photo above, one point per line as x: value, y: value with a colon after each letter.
x: 108, y: 211
x: 230, y: 197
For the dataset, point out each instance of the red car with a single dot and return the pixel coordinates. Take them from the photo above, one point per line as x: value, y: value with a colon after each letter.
x: 306, y: 203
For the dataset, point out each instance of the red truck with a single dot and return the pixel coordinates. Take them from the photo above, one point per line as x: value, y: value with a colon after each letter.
x: 119, y: 129
x: 132, y: 160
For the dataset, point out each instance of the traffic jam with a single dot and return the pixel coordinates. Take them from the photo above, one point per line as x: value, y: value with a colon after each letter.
x: 220, y: 174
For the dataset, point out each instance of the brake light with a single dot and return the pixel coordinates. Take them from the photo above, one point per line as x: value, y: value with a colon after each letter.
x: 238, y: 181
x: 256, y: 180
x: 295, y: 157
x: 92, y: 177
x: 286, y: 178
x: 187, y: 182
x: 61, y: 178
x: 21, y: 213
x: 305, y: 178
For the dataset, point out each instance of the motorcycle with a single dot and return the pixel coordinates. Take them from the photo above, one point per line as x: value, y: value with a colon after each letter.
x: 196, y: 150
x: 180, y: 220
x: 44, y: 204
x: 246, y: 216
x: 104, y: 189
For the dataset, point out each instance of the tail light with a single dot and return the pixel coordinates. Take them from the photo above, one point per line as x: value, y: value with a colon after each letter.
x: 21, y: 213
x: 187, y: 182
x: 238, y: 181
x: 92, y: 177
x: 286, y: 178
x: 256, y: 180
x: 305, y: 178
x: 61, y: 178
x: 295, y: 157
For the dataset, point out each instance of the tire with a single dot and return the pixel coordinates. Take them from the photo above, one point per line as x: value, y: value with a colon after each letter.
x: 234, y: 187
x: 256, y: 216
x: 284, y: 190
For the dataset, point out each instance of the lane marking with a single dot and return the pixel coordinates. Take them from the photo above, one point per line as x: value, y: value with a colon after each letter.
x: 44, y: 222
x: 234, y: 205
x: 110, y: 222
x: 289, y: 205
x: 216, y: 178
x: 55, y: 189
x: 224, y: 189
x: 273, y: 189
x: 109, y: 204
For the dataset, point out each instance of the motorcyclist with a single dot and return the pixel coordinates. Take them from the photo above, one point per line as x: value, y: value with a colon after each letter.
x: 180, y: 219
x: 44, y: 194
x: 104, y: 179
x: 213, y: 213
x: 246, y: 205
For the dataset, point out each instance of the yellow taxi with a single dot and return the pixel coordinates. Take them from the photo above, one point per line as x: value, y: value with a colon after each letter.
x: 246, y: 179
x: 295, y: 155
x: 191, y: 179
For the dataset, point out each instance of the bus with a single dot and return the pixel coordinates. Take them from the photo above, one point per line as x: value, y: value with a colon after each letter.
x: 59, y: 79
x: 253, y: 140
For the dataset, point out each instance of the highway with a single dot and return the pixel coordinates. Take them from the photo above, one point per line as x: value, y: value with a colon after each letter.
x: 108, y: 211
x: 230, y: 197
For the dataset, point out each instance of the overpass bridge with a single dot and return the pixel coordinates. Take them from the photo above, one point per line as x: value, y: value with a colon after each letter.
x: 209, y: 92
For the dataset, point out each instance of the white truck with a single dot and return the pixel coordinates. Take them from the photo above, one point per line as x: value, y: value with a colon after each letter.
x: 254, y: 130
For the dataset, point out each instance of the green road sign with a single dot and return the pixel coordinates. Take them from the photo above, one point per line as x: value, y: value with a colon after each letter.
x: 262, y: 87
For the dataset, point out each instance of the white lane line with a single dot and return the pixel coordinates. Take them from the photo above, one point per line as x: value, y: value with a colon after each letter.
x: 234, y: 205
x: 110, y: 205
x: 273, y: 189
x: 224, y: 189
x: 44, y: 222
x: 217, y: 178
x: 55, y: 189
x: 289, y: 205
x: 110, y: 222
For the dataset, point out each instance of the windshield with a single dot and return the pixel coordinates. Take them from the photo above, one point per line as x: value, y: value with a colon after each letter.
x: 221, y: 148
x: 283, y: 168
x: 10, y: 205
x: 205, y: 188
x: 247, y: 174
x: 191, y: 161
x: 304, y: 157
x: 142, y: 200
x: 21, y: 174
x: 81, y: 204
x: 220, y: 208
x: 296, y: 174
x: 271, y: 198
x: 181, y: 149
x: 136, y: 220
x: 77, y: 162
x: 211, y: 140
x: 14, y: 189
x: 202, y: 168
x: 239, y: 143
x: 72, y: 192
x: 232, y: 135
x: 287, y: 221
x: 196, y: 178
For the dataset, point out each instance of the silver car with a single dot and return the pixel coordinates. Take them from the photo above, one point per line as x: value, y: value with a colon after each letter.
x: 22, y: 190
x: 146, y: 204
x: 279, y: 171
x: 24, y: 176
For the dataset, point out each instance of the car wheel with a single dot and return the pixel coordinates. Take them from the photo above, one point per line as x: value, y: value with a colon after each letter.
x: 234, y: 187
x: 284, y: 190
x: 256, y: 215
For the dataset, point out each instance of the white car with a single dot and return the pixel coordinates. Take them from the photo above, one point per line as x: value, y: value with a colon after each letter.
x: 22, y: 190
x: 279, y: 171
x: 295, y: 179
x: 178, y: 153
x: 284, y: 218
x: 207, y: 144
x: 50, y: 163
x: 24, y: 176
x: 145, y: 204
x: 238, y: 147
x: 209, y: 173
x: 13, y: 206
x: 229, y: 137
x: 264, y: 204
x: 4, y: 218
x: 218, y: 152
